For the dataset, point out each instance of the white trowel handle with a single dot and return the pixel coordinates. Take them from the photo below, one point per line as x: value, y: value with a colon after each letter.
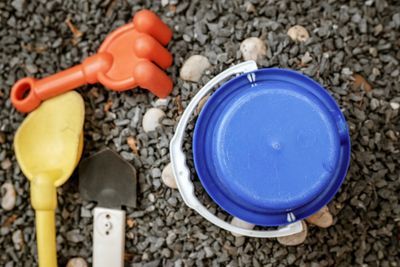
x: 108, y: 237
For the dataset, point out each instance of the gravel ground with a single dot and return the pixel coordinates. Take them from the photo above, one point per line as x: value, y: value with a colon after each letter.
x: 346, y: 37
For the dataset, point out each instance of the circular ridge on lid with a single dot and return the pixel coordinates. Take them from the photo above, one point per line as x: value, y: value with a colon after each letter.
x: 269, y: 147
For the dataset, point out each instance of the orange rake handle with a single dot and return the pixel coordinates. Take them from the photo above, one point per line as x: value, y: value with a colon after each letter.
x: 131, y: 56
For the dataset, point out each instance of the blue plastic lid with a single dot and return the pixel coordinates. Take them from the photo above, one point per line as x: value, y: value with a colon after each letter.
x: 271, y: 147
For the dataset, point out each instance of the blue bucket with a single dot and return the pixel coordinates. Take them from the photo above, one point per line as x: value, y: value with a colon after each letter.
x: 271, y: 147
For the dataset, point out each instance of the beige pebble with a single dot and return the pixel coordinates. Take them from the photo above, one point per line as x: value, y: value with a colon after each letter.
x: 8, y: 196
x: 250, y: 8
x: 376, y: 72
x: 151, y: 119
x: 168, y: 177
x: 378, y: 29
x: 253, y: 48
x: 6, y: 164
x: 298, y: 33
x: 296, y: 239
x: 201, y: 104
x: 323, y: 218
x: 145, y: 256
x: 194, y: 67
x: 77, y: 262
x: 373, y: 51
x: 241, y: 224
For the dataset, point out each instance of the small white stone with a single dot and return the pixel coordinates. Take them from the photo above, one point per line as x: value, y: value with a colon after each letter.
x: 151, y: 197
x: 395, y: 105
x: 164, y: 2
x: 151, y: 119
x: 8, y: 196
x: 193, y: 68
x: 296, y: 239
x: 347, y: 71
x: 253, y: 48
x: 298, y: 33
x: 369, y: 2
x: 168, y: 177
x: 77, y: 262
x: 161, y: 102
x: 241, y: 224
x: 18, y: 239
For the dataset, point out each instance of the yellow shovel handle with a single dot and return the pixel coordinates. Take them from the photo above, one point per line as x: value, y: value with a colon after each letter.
x: 46, y: 238
x: 44, y: 201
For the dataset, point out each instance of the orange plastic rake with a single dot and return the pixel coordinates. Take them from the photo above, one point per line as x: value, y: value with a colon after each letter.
x: 133, y: 55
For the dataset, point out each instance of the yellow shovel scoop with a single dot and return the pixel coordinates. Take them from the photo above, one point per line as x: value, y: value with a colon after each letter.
x: 48, y: 146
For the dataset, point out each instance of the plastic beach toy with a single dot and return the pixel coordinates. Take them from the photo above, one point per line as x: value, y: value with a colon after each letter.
x: 48, y: 146
x: 110, y: 181
x: 131, y: 56
x: 270, y: 147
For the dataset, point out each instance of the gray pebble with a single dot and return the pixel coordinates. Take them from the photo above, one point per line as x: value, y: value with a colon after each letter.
x: 172, y: 201
x: 75, y: 236
x: 374, y: 103
x: 31, y: 68
x: 171, y: 238
x: 127, y: 155
x: 19, y: 5
x: 85, y: 213
x: 156, y: 173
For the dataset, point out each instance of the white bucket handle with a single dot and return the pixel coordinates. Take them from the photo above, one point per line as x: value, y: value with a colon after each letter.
x: 182, y: 173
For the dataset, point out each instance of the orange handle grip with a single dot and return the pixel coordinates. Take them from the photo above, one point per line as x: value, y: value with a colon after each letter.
x: 28, y: 93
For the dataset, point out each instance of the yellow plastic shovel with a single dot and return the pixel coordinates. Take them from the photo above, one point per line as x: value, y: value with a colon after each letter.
x: 48, y: 146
